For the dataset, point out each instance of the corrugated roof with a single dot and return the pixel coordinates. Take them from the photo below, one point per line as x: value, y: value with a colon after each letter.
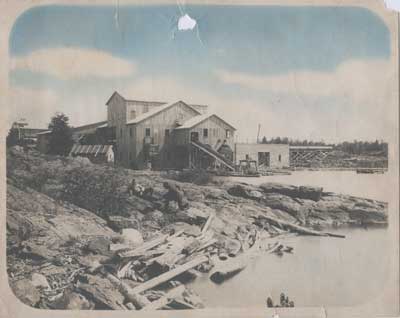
x: 194, y: 121
x: 90, y: 149
x: 155, y: 111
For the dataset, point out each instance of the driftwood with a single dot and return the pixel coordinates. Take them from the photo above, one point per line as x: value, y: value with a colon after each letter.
x: 118, y: 247
x: 169, y: 275
x: 206, y: 244
x: 101, y: 291
x: 180, y: 304
x: 166, y: 299
x: 228, y: 269
x: 208, y: 223
x: 297, y: 228
x: 149, y: 245
x: 137, y: 300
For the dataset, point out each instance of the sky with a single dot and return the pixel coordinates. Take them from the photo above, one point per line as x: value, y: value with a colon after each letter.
x: 319, y: 73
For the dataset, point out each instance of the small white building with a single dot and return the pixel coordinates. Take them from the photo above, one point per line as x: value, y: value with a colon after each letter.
x: 265, y: 155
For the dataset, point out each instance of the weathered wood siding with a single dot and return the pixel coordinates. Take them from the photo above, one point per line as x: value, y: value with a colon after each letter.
x: 116, y: 117
x: 216, y: 132
x: 252, y: 150
x: 158, y: 124
x: 137, y: 108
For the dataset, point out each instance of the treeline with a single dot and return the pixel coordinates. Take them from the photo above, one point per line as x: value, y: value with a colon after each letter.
x: 354, y: 147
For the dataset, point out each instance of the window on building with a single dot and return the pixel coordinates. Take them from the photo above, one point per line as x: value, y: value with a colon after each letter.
x: 205, y: 132
x: 148, y: 132
x: 130, y: 156
x: 130, y: 131
x: 133, y: 114
x: 280, y: 158
x: 167, y: 133
x: 228, y: 133
x: 120, y: 132
x: 145, y: 108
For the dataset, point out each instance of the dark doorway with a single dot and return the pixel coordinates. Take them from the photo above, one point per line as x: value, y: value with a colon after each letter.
x: 194, y: 136
x: 264, y: 159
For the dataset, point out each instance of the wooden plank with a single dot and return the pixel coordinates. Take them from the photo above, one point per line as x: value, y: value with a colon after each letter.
x: 169, y: 275
x: 166, y: 299
x: 208, y: 223
x: 138, y: 300
x: 208, y: 152
x: 149, y: 245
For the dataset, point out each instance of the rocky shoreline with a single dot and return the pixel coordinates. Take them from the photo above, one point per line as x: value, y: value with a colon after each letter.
x: 77, y: 240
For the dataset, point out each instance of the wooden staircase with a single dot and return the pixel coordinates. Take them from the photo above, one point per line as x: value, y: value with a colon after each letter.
x: 214, y: 154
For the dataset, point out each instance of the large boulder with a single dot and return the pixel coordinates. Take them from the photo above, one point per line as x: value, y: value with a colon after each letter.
x: 132, y: 237
x: 118, y: 223
x: 302, y: 192
x: 25, y: 291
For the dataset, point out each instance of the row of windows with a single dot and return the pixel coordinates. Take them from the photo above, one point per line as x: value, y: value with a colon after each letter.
x: 279, y: 157
x: 214, y: 131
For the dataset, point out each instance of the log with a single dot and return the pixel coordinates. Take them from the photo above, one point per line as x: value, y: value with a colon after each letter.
x: 208, y: 223
x: 118, y: 247
x: 144, y: 247
x: 206, y: 244
x: 297, y: 228
x: 149, y: 245
x: 228, y: 269
x: 169, y: 275
x: 166, y: 299
x: 137, y: 300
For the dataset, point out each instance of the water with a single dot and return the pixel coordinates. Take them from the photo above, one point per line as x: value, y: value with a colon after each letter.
x: 356, y: 271
x: 372, y: 186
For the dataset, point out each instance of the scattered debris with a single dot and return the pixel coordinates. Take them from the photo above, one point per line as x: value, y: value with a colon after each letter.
x: 92, y: 244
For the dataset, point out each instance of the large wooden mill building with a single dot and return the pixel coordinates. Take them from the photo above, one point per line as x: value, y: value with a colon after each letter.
x: 168, y: 135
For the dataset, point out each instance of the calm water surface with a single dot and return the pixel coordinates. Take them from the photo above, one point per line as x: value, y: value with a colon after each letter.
x: 321, y: 271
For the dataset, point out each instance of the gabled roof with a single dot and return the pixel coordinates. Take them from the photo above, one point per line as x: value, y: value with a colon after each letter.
x: 132, y: 100
x: 112, y: 96
x: 157, y: 110
x: 92, y: 125
x: 192, y: 122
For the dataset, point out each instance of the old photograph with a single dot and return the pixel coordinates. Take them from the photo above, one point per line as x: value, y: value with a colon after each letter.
x: 189, y: 156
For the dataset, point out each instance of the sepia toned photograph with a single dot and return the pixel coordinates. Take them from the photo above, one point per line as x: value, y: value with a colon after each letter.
x: 188, y: 156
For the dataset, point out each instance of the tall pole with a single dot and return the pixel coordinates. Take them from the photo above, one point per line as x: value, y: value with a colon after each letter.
x: 258, y: 133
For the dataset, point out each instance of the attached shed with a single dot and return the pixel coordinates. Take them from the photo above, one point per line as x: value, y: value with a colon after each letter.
x: 42, y: 141
x: 209, y: 139
x: 266, y: 155
x: 95, y: 153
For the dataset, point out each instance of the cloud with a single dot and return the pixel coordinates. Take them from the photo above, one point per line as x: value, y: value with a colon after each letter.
x: 357, y: 80
x: 73, y: 63
x: 34, y: 105
x: 280, y: 112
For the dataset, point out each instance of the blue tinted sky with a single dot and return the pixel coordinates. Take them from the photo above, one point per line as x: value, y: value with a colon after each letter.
x: 283, y: 67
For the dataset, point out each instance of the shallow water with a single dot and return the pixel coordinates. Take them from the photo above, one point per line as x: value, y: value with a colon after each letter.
x: 321, y: 271
x: 328, y: 271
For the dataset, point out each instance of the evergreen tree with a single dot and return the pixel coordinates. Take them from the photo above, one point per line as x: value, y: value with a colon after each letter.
x: 12, y: 137
x: 60, y: 141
